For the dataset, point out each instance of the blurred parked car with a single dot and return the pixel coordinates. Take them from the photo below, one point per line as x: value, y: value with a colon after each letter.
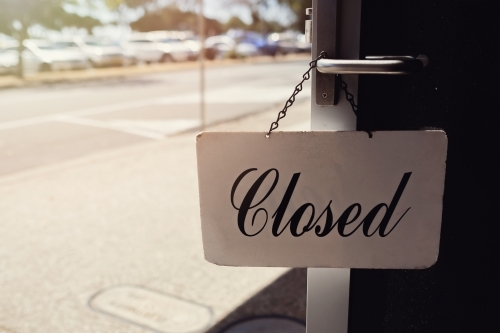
x: 285, y: 41
x: 264, y: 45
x: 158, y: 46
x: 144, y: 49
x: 103, y: 52
x: 182, y: 42
x: 218, y: 47
x: 223, y: 46
x: 42, y: 55
x: 290, y: 42
x: 194, y: 46
x: 9, y: 60
x: 174, y: 44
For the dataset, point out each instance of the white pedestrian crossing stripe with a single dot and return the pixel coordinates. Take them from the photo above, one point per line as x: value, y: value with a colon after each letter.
x: 152, y: 129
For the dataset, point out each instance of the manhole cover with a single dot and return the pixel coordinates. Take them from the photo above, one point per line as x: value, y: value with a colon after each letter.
x: 152, y: 309
x: 267, y: 325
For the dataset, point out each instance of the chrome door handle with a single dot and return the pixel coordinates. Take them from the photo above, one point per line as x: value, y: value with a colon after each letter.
x: 393, y: 65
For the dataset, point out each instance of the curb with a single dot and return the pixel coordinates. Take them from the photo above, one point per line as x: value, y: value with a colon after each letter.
x: 124, y: 72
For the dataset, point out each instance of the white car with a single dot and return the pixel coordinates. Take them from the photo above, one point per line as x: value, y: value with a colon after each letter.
x: 182, y: 45
x: 290, y: 42
x: 103, y: 52
x: 157, y: 47
x: 144, y: 49
x: 9, y: 59
x: 194, y: 47
x: 222, y: 46
x: 42, y: 55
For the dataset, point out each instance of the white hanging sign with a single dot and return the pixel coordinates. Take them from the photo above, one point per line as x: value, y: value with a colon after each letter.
x: 322, y: 199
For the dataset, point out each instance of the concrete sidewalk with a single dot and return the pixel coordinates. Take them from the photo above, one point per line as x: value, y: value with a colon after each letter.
x: 112, y: 243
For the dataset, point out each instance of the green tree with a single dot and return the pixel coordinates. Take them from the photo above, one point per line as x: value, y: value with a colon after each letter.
x: 162, y: 15
x: 114, y: 4
x: 17, y: 16
x: 172, y: 18
x: 235, y: 23
x: 298, y: 7
x: 121, y: 4
x: 257, y: 7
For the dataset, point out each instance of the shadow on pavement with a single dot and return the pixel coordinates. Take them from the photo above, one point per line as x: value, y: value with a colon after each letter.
x: 286, y: 296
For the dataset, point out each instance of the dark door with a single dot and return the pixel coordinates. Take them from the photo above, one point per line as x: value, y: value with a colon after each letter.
x: 457, y: 92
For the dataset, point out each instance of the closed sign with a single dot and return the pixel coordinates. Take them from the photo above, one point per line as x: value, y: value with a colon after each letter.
x: 322, y: 199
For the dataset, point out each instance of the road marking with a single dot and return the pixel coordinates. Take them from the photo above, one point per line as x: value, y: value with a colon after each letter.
x: 165, y: 127
x: 151, y: 129
x: 230, y: 95
x: 219, y: 96
x: 154, y: 310
x: 12, y: 99
x: 81, y: 112
x: 25, y: 122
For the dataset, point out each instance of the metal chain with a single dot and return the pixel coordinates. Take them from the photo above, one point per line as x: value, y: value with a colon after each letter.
x: 348, y: 95
x: 350, y: 99
x: 298, y: 88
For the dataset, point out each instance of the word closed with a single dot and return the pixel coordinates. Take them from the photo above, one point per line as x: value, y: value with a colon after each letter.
x: 345, y: 219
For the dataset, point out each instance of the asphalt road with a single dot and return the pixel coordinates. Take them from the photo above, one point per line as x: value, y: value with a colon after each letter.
x: 50, y: 124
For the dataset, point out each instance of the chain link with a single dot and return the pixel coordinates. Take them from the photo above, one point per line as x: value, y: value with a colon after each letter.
x: 298, y: 88
x: 350, y: 99
x: 348, y: 95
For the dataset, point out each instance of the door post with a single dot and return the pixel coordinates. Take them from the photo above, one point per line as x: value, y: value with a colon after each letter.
x: 328, y: 288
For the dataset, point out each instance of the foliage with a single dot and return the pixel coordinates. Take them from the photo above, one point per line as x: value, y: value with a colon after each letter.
x: 17, y: 16
x: 235, y: 23
x: 172, y: 18
x: 149, y: 5
x: 113, y: 4
x: 179, y: 15
x: 48, y: 13
x: 298, y: 7
x: 256, y: 7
